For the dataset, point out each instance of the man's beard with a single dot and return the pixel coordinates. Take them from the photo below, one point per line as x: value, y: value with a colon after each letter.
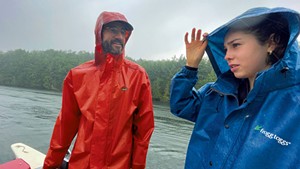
x: 108, y: 47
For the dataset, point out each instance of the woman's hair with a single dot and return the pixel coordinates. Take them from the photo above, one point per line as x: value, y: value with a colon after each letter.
x: 265, y: 27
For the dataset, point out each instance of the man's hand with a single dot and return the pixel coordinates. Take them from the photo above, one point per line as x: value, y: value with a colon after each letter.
x: 195, y: 49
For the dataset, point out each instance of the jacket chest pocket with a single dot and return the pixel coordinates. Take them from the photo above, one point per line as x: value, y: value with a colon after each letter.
x: 215, y: 108
x: 211, y: 113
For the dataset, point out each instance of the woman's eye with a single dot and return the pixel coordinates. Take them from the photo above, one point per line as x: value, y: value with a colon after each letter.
x: 235, y: 45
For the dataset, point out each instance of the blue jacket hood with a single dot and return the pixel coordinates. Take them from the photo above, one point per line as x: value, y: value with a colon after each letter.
x: 290, y: 61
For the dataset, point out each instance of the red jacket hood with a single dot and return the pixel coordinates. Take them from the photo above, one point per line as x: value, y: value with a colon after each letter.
x: 104, y: 18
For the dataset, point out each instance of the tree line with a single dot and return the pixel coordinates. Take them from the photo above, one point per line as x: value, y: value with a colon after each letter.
x: 45, y: 70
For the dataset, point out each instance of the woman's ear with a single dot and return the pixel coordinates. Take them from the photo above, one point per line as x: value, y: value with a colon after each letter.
x: 272, y: 43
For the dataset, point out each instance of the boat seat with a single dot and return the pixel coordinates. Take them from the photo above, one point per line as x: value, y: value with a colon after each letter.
x: 15, y: 164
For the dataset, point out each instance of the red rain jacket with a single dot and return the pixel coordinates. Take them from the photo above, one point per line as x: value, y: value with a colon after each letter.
x: 107, y: 102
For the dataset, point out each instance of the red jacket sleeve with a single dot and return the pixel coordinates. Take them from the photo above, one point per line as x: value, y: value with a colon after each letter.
x: 143, y: 126
x: 65, y: 128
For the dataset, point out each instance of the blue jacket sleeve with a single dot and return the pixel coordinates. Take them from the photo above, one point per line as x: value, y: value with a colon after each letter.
x: 185, y: 100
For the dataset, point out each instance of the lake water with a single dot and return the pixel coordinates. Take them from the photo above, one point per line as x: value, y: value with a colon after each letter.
x: 28, y: 116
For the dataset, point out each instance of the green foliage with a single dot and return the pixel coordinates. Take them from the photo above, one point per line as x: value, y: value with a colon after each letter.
x: 38, y: 69
x: 161, y: 73
x: 46, y: 70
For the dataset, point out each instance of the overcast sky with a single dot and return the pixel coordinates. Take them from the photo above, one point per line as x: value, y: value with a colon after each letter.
x: 159, y: 25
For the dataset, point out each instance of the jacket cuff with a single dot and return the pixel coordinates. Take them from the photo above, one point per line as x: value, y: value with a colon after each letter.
x: 191, y: 68
x: 189, y: 72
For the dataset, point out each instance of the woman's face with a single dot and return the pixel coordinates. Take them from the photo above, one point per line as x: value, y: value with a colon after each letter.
x: 245, y: 55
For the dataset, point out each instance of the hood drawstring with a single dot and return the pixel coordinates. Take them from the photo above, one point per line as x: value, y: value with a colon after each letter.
x: 284, y: 70
x: 116, y: 65
x: 124, y: 87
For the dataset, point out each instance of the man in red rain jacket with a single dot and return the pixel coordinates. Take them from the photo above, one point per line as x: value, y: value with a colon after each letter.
x: 107, y: 102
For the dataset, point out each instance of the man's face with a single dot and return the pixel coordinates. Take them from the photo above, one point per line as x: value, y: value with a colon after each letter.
x: 113, y: 38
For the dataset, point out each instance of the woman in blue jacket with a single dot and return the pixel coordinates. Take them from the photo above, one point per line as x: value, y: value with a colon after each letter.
x: 250, y: 117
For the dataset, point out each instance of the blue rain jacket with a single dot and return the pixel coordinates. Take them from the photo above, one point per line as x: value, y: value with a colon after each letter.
x: 261, y: 133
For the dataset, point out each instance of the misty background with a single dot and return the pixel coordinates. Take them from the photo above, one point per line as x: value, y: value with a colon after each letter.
x: 159, y: 26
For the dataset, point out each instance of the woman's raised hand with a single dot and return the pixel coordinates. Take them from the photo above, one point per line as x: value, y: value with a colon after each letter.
x: 195, y: 48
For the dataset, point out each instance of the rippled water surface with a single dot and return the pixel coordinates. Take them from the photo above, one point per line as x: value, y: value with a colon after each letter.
x: 28, y: 116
